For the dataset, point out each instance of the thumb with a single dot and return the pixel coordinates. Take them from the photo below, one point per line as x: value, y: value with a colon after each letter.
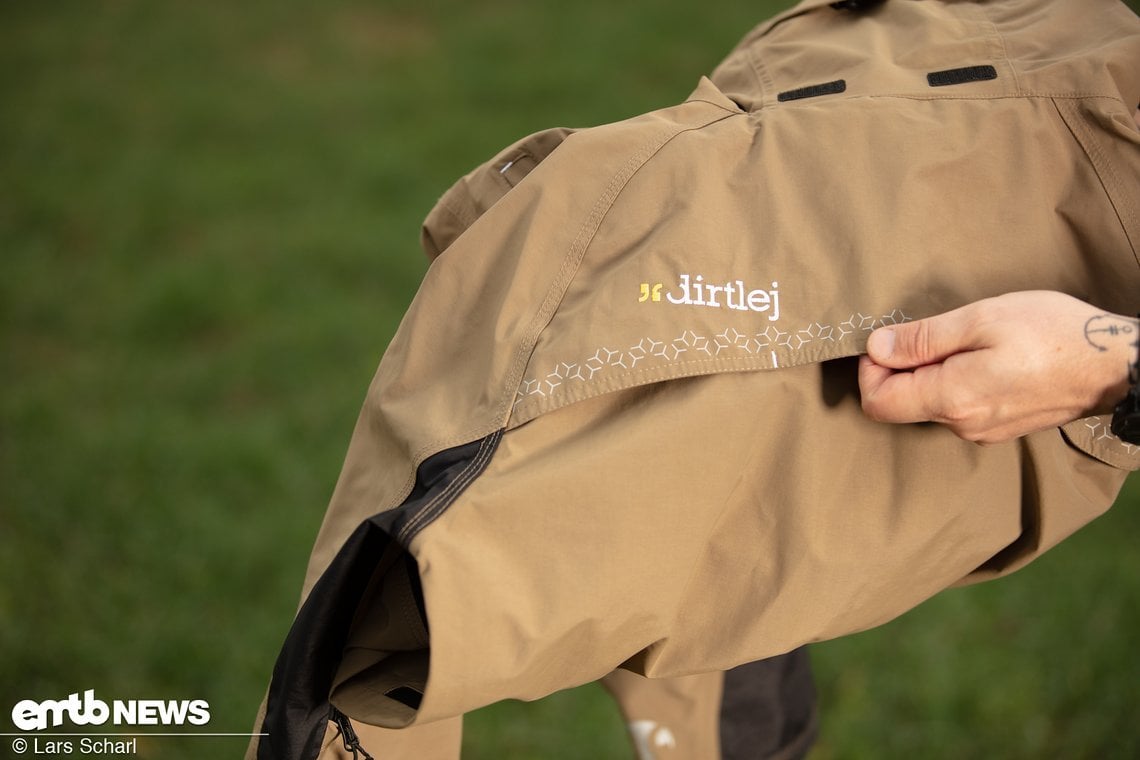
x: 925, y: 341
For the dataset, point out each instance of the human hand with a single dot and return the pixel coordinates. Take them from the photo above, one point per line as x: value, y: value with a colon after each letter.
x: 1000, y: 368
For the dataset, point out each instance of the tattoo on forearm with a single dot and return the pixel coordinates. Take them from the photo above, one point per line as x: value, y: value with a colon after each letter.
x: 1107, y: 330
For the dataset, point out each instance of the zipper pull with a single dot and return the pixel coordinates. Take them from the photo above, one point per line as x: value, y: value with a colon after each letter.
x: 348, y: 735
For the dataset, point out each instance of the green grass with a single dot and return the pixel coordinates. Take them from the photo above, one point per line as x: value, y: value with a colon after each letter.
x: 208, y: 232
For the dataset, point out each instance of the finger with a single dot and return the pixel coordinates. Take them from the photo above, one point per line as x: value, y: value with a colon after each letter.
x: 925, y: 341
x: 892, y: 396
x: 871, y: 377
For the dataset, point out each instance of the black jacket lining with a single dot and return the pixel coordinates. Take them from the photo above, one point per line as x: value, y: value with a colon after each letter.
x: 297, y: 706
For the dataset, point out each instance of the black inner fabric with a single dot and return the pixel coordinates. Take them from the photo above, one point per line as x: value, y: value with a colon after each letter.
x: 297, y: 706
x: 407, y: 696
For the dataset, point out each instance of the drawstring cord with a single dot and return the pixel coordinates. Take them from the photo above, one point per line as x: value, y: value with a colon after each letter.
x: 348, y: 735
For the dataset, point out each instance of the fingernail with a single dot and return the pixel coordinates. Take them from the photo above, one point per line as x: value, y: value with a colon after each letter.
x: 881, y: 343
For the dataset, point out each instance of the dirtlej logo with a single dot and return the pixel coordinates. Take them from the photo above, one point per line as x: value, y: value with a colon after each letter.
x: 732, y: 294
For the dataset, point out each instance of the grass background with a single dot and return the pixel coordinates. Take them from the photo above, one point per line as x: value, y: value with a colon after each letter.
x: 208, y: 232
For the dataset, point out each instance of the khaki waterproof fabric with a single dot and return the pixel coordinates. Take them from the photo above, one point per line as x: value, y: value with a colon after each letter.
x: 763, y: 710
x: 620, y: 423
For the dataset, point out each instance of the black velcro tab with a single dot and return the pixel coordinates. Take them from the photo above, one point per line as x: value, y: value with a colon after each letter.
x: 961, y: 76
x: 811, y: 91
x: 855, y: 5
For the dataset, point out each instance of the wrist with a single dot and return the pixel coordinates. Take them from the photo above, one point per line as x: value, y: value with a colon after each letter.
x: 1126, y: 415
x: 1114, y: 338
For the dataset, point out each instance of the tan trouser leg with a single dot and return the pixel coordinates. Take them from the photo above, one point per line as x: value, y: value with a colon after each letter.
x: 670, y: 717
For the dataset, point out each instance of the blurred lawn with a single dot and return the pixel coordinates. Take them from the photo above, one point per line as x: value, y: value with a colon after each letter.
x: 208, y: 232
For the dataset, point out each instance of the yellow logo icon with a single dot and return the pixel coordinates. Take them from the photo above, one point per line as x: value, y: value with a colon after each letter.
x: 650, y: 293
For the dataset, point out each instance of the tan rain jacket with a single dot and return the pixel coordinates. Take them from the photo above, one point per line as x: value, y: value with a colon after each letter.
x: 620, y: 425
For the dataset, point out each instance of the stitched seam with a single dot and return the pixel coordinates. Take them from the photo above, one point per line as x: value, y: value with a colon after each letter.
x: 998, y: 41
x: 570, y: 263
x: 637, y: 378
x: 577, y: 252
x: 764, y: 80
x: 721, y: 106
x: 436, y: 506
x: 1105, y: 172
x: 553, y: 297
x: 835, y: 100
x: 449, y: 492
